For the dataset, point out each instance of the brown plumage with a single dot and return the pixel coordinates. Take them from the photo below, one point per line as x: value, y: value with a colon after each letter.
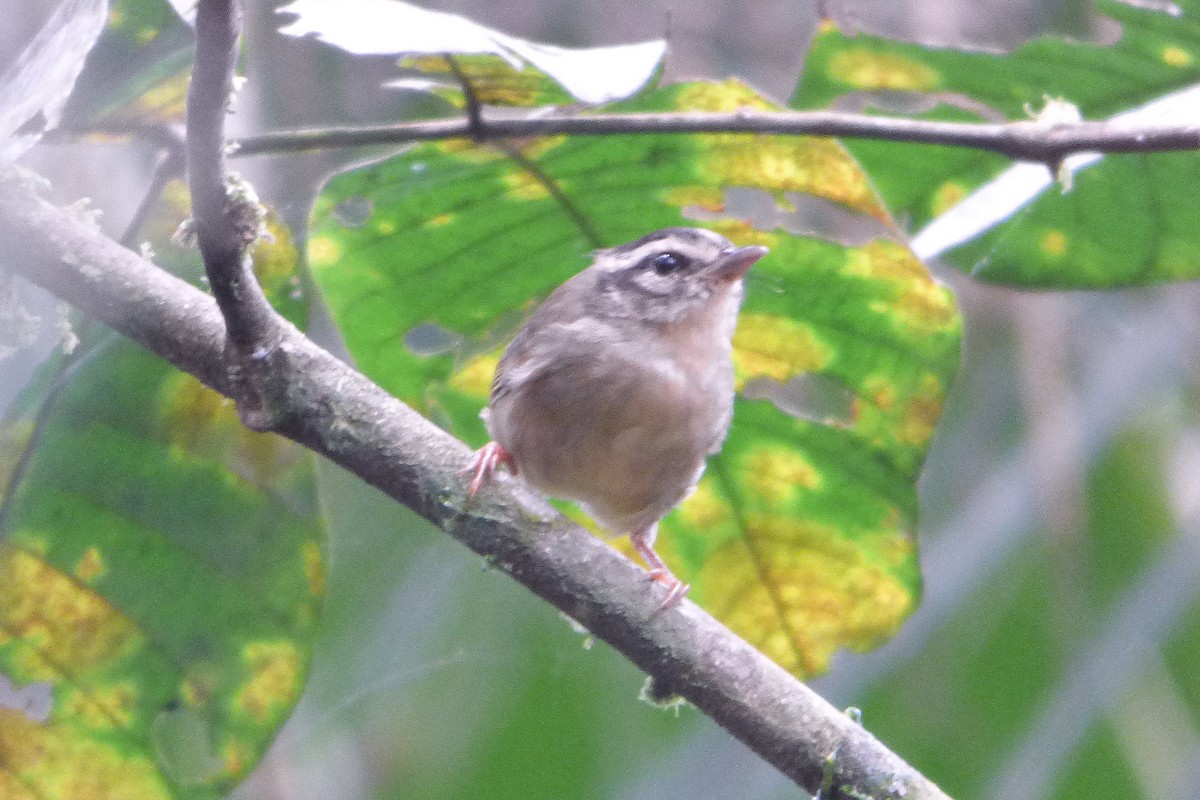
x: 620, y: 385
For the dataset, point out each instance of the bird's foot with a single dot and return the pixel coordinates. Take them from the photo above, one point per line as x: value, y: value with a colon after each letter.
x: 676, y: 589
x: 659, y: 573
x: 483, y: 466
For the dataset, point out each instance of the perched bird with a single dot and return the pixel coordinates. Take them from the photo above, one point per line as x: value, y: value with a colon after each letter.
x: 620, y: 385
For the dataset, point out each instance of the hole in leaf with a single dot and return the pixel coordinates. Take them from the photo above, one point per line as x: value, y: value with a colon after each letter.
x: 812, y: 396
x: 33, y: 700
x: 823, y: 219
x: 801, y: 214
x: 353, y: 212
x: 34, y: 126
x: 431, y: 339
x: 502, y: 331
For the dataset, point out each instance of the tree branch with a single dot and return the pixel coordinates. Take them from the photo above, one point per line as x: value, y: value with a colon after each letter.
x: 342, y: 415
x: 1027, y: 140
x: 227, y: 218
x: 222, y: 247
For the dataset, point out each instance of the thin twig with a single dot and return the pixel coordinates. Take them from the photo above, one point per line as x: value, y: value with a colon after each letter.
x: 170, y: 165
x: 338, y: 413
x: 476, y: 124
x: 581, y: 221
x: 474, y: 108
x: 1027, y: 140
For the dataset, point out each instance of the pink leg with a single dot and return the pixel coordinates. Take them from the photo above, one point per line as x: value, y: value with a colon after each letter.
x: 483, y: 466
x: 643, y: 542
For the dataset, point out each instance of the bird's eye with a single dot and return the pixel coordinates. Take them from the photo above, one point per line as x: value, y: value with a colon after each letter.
x: 666, y: 263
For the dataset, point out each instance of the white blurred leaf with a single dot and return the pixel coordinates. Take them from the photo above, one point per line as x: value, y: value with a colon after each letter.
x: 35, y: 88
x: 389, y: 27
x: 186, y: 9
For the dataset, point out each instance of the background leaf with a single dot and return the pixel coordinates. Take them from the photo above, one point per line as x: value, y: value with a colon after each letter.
x: 493, y: 80
x: 35, y: 87
x: 161, y: 572
x: 1128, y: 220
x: 138, y: 72
x: 429, y: 260
x: 388, y: 27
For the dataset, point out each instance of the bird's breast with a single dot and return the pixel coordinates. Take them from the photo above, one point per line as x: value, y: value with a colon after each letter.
x: 626, y: 428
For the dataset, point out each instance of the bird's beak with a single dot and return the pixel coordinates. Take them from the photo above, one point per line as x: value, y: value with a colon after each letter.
x: 735, y: 262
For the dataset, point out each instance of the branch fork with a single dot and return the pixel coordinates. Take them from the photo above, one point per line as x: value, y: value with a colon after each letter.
x: 228, y: 220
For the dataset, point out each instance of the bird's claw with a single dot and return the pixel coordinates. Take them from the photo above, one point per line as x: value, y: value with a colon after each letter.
x: 483, y: 465
x: 658, y: 572
x: 676, y: 589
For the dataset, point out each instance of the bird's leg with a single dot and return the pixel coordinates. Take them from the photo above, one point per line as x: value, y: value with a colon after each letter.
x: 483, y: 466
x: 643, y: 542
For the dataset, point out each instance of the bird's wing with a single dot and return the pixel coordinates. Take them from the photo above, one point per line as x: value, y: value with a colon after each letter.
x: 558, y: 329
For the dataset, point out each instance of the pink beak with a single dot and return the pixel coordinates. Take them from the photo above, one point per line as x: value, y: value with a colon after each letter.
x: 736, y: 262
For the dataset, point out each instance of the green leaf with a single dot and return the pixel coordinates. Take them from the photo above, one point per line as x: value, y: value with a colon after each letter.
x: 800, y: 536
x: 161, y: 570
x: 493, y: 81
x: 138, y: 72
x: 1128, y: 220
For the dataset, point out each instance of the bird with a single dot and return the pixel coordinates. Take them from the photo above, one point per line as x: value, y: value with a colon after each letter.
x: 620, y: 385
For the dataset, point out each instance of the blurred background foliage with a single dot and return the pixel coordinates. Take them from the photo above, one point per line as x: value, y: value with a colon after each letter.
x: 1054, y: 652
